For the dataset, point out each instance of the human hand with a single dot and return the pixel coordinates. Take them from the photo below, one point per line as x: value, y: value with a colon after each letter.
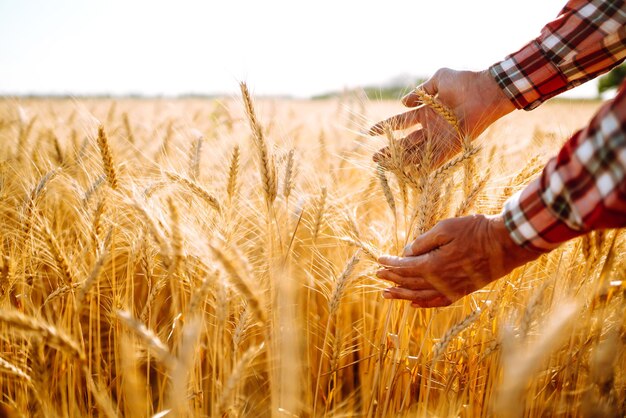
x: 457, y: 257
x: 474, y: 98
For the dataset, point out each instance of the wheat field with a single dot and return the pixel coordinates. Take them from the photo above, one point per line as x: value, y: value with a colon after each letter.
x: 217, y: 258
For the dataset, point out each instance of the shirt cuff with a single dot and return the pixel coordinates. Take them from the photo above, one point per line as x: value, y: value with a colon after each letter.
x: 528, y: 77
x: 532, y: 224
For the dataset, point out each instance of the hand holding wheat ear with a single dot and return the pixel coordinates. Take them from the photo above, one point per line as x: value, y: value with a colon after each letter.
x: 441, y: 266
x: 473, y: 99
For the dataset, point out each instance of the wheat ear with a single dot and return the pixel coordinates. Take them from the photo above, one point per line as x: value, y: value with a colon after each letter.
x: 267, y: 167
x: 470, y: 199
x: 176, y: 236
x: 95, y: 271
x: 370, y: 252
x: 107, y: 158
x: 194, y: 157
x: 61, y: 291
x: 25, y: 131
x: 51, y: 334
x: 97, y: 227
x: 440, y: 347
x: 152, y: 341
x: 196, y: 189
x: 237, y: 374
x: 438, y: 107
x: 320, y: 208
x: 454, y: 162
x: 341, y: 284
x: 128, y: 128
x: 240, y: 283
x: 31, y: 201
x: 384, y: 184
x: 289, y: 175
x: 59, y: 256
x: 57, y: 148
x: 93, y: 187
x: 12, y: 369
x: 233, y: 175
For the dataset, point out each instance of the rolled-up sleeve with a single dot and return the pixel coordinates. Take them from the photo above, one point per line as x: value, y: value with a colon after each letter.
x: 582, y: 189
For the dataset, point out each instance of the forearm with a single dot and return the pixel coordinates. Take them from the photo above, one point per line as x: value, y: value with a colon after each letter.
x: 580, y: 190
x: 588, y: 38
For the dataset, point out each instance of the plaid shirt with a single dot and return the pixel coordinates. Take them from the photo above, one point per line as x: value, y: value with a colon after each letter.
x: 587, y: 39
x: 584, y: 187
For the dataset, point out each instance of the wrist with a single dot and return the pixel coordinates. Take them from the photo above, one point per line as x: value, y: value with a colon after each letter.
x: 495, y: 99
x: 514, y: 254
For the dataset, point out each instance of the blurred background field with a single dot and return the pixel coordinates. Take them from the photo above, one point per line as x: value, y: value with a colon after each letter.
x: 188, y: 258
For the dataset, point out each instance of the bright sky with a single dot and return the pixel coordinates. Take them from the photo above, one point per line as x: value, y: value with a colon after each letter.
x: 277, y: 46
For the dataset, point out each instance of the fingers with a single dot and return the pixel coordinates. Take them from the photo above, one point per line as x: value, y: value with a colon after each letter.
x: 398, y: 122
x: 427, y: 242
x: 419, y: 298
x: 409, y: 267
x: 408, y: 148
x: 412, y: 282
x: 430, y: 87
x: 408, y: 294
x: 438, y: 302
x: 394, y: 262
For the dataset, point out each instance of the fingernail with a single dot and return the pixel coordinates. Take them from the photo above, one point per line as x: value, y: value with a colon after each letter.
x: 387, y: 294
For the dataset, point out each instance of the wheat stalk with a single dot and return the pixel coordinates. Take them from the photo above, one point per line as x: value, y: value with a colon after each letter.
x: 152, y: 341
x: 12, y: 369
x: 370, y: 252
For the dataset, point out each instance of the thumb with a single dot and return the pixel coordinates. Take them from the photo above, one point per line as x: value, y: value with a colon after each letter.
x: 425, y: 243
x: 430, y: 86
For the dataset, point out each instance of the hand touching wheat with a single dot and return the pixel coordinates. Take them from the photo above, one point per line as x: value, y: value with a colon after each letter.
x: 457, y: 257
x: 473, y: 97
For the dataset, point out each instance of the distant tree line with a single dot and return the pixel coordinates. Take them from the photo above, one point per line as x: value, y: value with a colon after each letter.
x: 612, y: 79
x: 393, y: 90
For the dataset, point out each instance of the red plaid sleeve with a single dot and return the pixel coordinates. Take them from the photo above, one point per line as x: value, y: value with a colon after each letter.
x: 582, y: 189
x: 588, y: 38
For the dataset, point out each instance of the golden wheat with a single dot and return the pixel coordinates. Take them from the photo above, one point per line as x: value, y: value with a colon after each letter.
x: 195, y: 286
